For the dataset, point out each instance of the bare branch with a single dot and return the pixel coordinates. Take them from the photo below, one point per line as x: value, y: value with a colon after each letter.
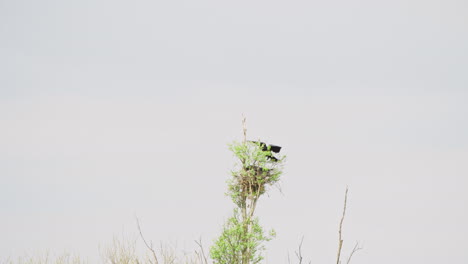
x: 202, y: 252
x: 244, y: 127
x: 150, y: 247
x: 299, y: 252
x: 340, y: 240
x: 355, y: 249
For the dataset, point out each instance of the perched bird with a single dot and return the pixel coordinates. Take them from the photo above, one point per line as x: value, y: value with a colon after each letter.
x: 272, y: 148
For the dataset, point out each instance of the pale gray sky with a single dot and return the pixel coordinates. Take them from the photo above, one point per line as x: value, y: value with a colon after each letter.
x: 114, y: 108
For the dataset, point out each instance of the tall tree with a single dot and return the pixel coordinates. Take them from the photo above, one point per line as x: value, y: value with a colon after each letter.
x: 242, y: 237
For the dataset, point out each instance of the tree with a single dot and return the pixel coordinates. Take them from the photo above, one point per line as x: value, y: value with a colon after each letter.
x: 242, y: 237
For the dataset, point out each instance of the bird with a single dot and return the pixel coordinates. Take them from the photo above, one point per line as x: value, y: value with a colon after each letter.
x: 265, y: 147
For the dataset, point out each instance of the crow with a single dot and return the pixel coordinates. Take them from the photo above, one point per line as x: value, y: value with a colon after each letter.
x: 273, y: 148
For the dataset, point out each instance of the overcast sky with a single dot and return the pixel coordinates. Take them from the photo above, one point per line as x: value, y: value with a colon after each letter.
x: 111, y: 109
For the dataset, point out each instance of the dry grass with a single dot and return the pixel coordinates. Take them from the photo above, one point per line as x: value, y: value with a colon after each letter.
x: 64, y: 258
x: 119, y: 251
x: 125, y: 252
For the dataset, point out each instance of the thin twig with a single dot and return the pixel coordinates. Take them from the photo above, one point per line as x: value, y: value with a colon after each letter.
x: 150, y: 247
x: 355, y: 249
x: 244, y: 127
x: 340, y: 240
x: 199, y: 243
x: 299, y: 252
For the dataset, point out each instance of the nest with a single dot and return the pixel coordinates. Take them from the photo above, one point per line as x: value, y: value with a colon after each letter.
x: 252, y: 180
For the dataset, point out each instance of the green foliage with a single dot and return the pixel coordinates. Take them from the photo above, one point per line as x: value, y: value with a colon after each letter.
x: 254, y: 172
x: 235, y: 241
x: 242, y: 239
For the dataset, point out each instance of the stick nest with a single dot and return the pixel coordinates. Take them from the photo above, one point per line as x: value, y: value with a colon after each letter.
x: 252, y: 180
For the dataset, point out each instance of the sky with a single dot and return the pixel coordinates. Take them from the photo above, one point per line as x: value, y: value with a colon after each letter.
x: 116, y: 109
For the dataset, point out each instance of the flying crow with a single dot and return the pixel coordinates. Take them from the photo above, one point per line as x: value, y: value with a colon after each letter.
x: 272, y: 148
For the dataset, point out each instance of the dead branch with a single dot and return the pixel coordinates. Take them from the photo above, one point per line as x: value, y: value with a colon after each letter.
x: 244, y: 127
x: 149, y: 246
x: 355, y: 249
x: 340, y: 240
x: 299, y: 252
x: 202, y: 252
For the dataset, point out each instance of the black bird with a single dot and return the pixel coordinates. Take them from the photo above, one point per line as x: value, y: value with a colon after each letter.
x: 273, y: 148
